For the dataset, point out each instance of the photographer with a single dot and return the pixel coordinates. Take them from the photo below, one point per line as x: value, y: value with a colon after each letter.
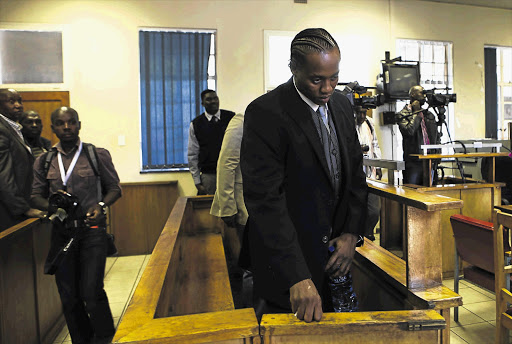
x: 79, y: 276
x: 370, y: 146
x: 418, y: 127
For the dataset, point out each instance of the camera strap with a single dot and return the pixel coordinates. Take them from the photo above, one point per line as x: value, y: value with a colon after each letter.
x: 64, y: 175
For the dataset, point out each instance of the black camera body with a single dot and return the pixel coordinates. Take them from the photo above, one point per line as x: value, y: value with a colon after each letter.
x: 63, y: 206
x: 440, y: 99
x: 367, y: 102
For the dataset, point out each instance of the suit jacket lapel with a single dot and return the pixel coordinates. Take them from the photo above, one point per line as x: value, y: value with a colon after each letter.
x: 15, y: 134
x: 299, y: 111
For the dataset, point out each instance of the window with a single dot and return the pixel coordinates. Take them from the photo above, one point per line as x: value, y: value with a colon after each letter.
x: 175, y: 66
x: 504, y: 74
x: 277, y: 58
x: 436, y: 69
x: 30, y: 57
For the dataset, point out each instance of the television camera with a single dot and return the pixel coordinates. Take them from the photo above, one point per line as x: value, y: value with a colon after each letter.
x: 366, y: 102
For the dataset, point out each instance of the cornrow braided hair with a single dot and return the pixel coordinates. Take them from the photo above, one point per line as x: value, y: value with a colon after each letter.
x: 310, y: 41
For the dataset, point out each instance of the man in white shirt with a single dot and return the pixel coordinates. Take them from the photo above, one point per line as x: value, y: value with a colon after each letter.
x: 205, y: 139
x: 370, y: 147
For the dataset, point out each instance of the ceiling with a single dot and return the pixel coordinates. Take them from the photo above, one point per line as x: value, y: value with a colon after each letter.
x: 505, y: 4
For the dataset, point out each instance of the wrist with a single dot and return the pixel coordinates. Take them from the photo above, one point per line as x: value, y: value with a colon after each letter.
x: 103, y: 207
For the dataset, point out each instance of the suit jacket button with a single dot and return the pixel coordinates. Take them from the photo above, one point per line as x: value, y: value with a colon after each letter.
x: 325, y: 239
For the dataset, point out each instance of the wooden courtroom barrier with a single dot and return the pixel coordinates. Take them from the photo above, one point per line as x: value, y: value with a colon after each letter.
x: 138, y: 217
x: 30, y: 307
x: 184, y: 294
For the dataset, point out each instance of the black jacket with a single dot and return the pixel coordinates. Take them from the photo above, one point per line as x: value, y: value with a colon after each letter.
x: 288, y: 193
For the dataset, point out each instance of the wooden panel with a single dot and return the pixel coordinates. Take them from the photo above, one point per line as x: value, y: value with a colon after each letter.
x: 179, y: 248
x: 45, y: 102
x: 358, y: 327
x: 18, y: 319
x: 202, y: 283
x: 447, y: 240
x: 478, y: 203
x: 51, y: 319
x: 138, y: 217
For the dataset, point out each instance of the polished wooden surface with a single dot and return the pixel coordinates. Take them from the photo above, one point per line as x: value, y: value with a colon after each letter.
x: 413, y: 198
x: 161, y: 308
x: 138, y: 217
x: 360, y: 327
x: 30, y: 307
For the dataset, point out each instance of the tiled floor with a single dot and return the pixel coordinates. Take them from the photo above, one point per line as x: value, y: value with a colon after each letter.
x: 121, y: 277
x: 476, y: 318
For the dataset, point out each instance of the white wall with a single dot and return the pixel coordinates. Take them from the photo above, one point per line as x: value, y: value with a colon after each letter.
x: 101, y: 49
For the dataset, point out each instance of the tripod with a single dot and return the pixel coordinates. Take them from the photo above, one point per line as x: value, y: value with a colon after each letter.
x: 441, y: 119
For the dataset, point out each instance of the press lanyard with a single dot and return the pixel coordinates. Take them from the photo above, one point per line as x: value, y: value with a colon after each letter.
x: 63, y: 174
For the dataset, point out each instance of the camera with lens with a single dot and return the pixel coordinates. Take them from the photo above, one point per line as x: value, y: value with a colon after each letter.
x: 369, y: 102
x: 63, y: 205
x: 440, y: 99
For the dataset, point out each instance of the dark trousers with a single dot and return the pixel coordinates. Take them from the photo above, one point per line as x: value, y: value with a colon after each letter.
x: 373, y: 214
x: 413, y: 173
x: 80, y: 284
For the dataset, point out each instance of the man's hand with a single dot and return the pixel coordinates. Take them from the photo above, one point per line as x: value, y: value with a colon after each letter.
x: 342, y: 256
x: 230, y: 221
x: 36, y: 213
x: 305, y: 300
x: 201, y: 190
x: 379, y: 173
x: 94, y: 215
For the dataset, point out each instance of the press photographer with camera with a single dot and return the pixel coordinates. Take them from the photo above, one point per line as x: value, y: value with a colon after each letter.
x: 76, y: 182
x: 418, y: 127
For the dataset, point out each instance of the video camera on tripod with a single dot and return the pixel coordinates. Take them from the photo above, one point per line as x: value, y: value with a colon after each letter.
x: 440, y: 99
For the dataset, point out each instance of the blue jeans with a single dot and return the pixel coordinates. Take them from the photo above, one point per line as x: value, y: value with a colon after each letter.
x: 80, y: 283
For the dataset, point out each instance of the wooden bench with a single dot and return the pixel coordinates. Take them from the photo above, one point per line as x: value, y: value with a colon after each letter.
x: 156, y: 313
x: 502, y: 273
x: 184, y: 294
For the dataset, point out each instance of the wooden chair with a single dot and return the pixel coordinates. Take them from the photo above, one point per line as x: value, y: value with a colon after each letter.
x: 474, y: 245
x: 502, y: 273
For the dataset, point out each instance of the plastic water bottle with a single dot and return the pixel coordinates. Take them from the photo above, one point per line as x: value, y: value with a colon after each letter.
x: 344, y: 298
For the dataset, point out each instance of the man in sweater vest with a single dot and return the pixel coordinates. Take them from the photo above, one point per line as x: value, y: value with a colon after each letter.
x: 205, y: 139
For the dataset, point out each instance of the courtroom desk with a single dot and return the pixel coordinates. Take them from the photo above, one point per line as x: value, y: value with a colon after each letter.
x: 138, y: 217
x: 184, y: 294
x: 30, y: 307
x: 479, y: 201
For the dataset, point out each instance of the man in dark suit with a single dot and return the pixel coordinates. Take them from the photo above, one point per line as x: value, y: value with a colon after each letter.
x: 304, y: 185
x: 32, y: 128
x: 205, y: 139
x: 15, y: 164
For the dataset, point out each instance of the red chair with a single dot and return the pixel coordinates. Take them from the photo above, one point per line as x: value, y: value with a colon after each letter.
x: 474, y: 245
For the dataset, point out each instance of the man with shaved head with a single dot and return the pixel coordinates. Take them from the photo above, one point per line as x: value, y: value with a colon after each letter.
x: 418, y: 127
x: 15, y: 163
x: 304, y: 185
x: 87, y: 173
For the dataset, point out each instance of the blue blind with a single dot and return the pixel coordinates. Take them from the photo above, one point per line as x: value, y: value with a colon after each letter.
x: 173, y: 72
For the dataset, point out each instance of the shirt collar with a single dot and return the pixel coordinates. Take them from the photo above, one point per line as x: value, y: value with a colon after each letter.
x: 308, y: 101
x: 209, y: 117
x: 12, y: 123
x: 60, y: 150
